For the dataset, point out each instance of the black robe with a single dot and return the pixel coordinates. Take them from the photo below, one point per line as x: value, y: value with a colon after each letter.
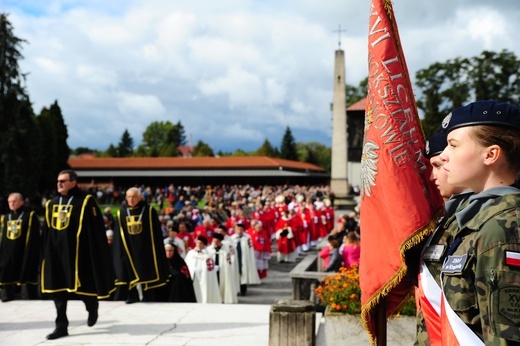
x: 20, y: 248
x: 138, y: 248
x: 75, y: 252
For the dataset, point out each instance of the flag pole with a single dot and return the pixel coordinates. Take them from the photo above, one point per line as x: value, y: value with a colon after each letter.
x: 381, y: 322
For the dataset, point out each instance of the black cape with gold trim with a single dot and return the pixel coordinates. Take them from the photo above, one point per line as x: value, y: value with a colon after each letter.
x: 75, y: 252
x: 138, y: 248
x: 20, y: 248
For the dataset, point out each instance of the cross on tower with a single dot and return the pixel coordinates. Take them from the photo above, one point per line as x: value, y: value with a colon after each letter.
x: 339, y: 31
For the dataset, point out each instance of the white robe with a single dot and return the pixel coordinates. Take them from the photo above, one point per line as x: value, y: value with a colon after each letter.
x: 249, y: 272
x: 228, y: 242
x: 204, y: 276
x: 228, y: 291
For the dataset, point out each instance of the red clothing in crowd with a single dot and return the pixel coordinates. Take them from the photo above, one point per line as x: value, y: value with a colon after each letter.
x: 206, y: 231
x: 186, y: 236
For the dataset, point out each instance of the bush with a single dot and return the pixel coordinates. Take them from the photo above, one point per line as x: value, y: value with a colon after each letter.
x: 341, y: 291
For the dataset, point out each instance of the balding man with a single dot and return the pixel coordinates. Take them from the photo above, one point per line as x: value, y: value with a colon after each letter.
x: 138, y: 249
x: 19, y: 249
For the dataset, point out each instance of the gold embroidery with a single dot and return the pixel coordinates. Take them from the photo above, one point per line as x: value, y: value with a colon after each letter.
x: 135, y: 226
x: 61, y: 216
x: 14, y: 229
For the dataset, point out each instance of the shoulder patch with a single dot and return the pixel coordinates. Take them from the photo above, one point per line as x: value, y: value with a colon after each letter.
x: 509, y: 303
x: 513, y: 259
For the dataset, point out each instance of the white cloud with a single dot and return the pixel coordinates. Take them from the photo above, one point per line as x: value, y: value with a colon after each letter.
x: 140, y: 106
x: 234, y: 72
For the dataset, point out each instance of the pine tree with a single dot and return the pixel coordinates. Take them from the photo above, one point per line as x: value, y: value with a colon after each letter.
x: 126, y: 145
x: 182, y: 134
x: 61, y: 133
x: 49, y: 153
x: 266, y: 150
x: 288, y: 147
x: 19, y: 133
x: 23, y: 164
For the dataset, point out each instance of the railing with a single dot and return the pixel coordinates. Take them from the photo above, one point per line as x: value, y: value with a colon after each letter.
x: 305, y: 277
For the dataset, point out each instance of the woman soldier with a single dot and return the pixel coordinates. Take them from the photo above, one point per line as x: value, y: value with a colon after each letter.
x: 480, y: 277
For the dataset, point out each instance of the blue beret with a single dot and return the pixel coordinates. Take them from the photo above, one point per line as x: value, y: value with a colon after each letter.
x: 436, y: 144
x: 483, y: 113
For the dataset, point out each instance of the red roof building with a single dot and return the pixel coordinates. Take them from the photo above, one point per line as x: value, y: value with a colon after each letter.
x: 258, y: 170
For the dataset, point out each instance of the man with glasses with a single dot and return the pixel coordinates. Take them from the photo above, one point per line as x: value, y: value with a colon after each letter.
x: 75, y: 252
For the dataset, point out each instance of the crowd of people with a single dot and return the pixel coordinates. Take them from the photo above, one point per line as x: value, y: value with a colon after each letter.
x: 177, y: 244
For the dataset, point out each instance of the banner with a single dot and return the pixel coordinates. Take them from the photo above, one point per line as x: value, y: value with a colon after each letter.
x: 398, y: 204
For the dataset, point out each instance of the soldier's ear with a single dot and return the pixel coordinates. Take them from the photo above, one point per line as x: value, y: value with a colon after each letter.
x: 492, y: 154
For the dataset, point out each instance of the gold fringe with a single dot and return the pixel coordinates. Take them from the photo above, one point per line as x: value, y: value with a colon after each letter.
x: 413, y: 240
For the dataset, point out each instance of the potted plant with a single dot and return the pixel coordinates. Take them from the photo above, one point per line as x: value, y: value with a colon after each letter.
x: 341, y: 295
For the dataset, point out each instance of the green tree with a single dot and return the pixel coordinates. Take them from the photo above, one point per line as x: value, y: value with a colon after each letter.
x: 84, y: 150
x: 20, y: 163
x: 354, y: 94
x: 496, y: 76
x: 111, y: 151
x: 61, y: 133
x: 49, y: 150
x: 23, y: 164
x: 266, y: 149
x: 288, y: 146
x: 126, y: 145
x: 181, y: 134
x: 202, y: 150
x: 161, y: 139
x: 315, y: 153
x: 240, y: 152
x: 454, y: 83
x: 55, y: 151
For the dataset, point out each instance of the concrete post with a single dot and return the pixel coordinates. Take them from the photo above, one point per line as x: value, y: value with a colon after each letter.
x: 292, y: 323
x: 339, y: 174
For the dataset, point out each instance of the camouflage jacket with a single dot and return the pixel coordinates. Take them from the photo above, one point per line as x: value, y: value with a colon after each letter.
x: 435, y: 251
x: 479, y: 285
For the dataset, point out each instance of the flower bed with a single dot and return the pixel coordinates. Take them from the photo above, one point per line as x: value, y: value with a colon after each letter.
x: 341, y: 293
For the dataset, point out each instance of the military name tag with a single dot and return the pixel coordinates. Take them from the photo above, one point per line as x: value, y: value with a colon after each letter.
x: 433, y: 252
x: 454, y: 264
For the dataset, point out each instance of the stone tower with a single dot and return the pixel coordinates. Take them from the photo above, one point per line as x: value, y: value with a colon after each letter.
x: 339, y: 175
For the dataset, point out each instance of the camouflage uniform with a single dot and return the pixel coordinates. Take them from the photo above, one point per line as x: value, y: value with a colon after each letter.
x: 485, y: 293
x: 442, y: 237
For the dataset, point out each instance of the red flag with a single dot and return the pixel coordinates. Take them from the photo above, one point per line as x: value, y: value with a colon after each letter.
x: 398, y: 203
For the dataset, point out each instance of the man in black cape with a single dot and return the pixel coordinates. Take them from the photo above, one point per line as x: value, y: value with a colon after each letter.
x: 75, y: 252
x: 138, y: 249
x: 19, y: 249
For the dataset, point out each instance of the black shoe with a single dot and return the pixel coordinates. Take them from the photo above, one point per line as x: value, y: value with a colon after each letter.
x: 57, y: 333
x: 92, y: 318
x: 93, y: 314
x: 131, y: 301
x: 7, y: 299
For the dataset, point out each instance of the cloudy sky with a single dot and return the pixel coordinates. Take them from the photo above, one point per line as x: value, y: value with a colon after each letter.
x: 234, y: 72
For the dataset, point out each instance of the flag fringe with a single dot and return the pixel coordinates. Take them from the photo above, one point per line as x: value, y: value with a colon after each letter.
x: 413, y: 240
